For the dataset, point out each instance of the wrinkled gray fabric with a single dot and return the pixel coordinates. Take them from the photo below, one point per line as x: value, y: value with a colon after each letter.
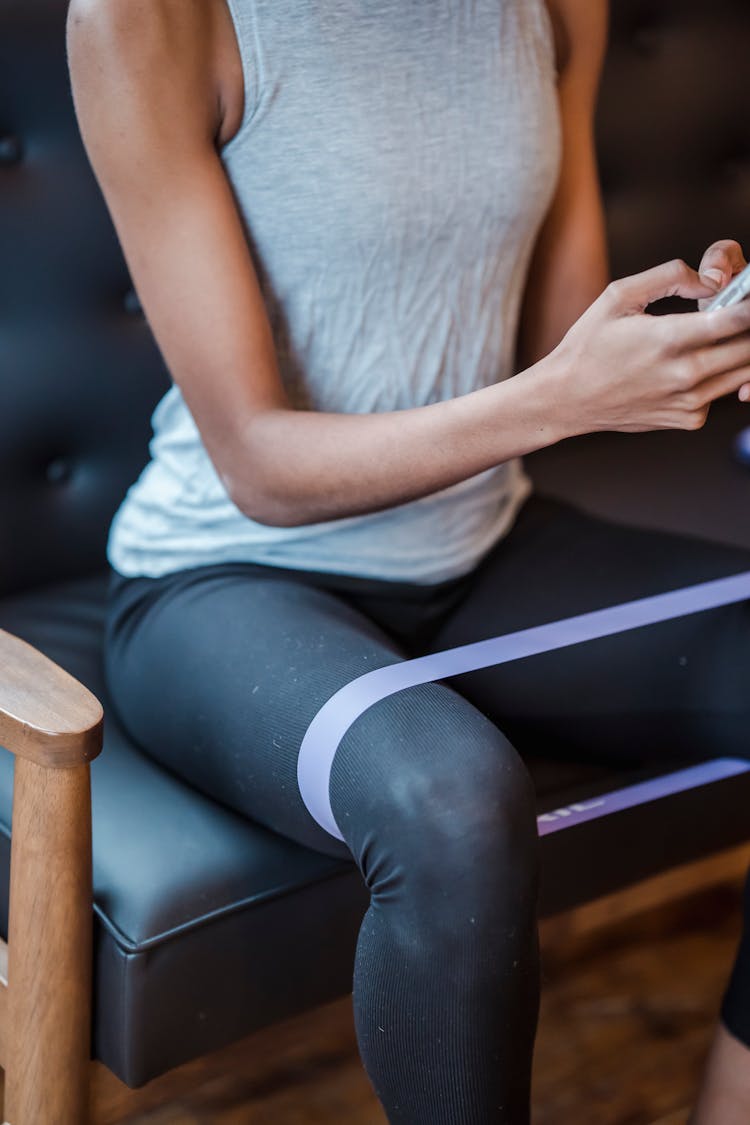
x: 392, y: 168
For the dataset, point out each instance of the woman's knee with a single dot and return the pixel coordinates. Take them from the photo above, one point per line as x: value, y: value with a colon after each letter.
x: 433, y: 795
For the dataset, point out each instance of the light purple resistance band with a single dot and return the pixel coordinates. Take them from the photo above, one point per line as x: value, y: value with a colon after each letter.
x: 336, y: 716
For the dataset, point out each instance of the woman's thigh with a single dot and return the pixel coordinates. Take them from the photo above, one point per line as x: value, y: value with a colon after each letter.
x: 218, y: 672
x: 675, y: 689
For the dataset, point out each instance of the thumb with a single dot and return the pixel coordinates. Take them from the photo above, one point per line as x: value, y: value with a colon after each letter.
x: 721, y: 262
x: 672, y: 279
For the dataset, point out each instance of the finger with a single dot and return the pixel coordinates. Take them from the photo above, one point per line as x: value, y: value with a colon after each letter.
x: 726, y: 383
x: 720, y: 358
x: 744, y: 392
x: 672, y: 279
x: 721, y: 262
x: 699, y: 329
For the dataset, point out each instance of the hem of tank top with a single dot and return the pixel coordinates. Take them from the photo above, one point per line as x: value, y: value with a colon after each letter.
x: 516, y: 500
x: 341, y: 582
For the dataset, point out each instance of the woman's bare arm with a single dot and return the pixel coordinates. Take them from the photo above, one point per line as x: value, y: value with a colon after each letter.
x: 569, y: 268
x: 148, y: 104
x: 570, y: 265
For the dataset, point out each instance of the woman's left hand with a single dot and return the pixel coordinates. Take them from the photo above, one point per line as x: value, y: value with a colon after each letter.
x: 722, y: 261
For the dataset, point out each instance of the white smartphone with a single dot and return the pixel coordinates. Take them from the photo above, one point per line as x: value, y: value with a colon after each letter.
x: 736, y: 291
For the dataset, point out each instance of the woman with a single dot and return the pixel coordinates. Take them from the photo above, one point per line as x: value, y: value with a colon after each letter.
x: 344, y: 221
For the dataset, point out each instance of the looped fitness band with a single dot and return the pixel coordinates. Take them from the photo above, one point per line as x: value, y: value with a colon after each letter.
x: 336, y: 716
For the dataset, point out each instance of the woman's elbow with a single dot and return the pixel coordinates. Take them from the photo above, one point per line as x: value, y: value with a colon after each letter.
x: 260, y: 482
x: 264, y: 504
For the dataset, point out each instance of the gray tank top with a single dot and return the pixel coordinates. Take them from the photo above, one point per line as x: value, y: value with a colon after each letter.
x: 392, y: 168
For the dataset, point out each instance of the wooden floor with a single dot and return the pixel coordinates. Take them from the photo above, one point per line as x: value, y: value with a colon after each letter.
x: 626, y: 1017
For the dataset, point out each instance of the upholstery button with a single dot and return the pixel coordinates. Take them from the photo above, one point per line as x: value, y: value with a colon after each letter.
x: 131, y: 303
x: 10, y: 149
x: 59, y: 470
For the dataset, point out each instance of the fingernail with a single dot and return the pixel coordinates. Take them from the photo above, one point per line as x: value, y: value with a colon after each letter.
x: 744, y: 392
x: 716, y: 277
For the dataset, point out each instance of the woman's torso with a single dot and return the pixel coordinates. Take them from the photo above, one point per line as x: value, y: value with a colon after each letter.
x: 392, y: 167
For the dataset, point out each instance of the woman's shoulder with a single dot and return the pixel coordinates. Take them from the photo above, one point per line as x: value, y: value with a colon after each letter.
x: 152, y: 51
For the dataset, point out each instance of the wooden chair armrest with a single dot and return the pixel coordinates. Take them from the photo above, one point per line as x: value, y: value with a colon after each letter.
x: 46, y: 715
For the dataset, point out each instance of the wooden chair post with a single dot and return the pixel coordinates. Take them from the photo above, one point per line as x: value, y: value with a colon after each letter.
x: 49, y: 947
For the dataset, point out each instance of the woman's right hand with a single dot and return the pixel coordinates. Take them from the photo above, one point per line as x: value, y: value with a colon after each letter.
x: 624, y: 369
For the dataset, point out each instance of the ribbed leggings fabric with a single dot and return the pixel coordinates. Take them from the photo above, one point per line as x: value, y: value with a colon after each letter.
x: 218, y: 671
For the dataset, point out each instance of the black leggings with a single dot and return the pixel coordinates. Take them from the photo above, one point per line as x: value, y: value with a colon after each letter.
x: 219, y: 670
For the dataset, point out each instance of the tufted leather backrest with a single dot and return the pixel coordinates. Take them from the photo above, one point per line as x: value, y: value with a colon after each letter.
x: 79, y: 371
